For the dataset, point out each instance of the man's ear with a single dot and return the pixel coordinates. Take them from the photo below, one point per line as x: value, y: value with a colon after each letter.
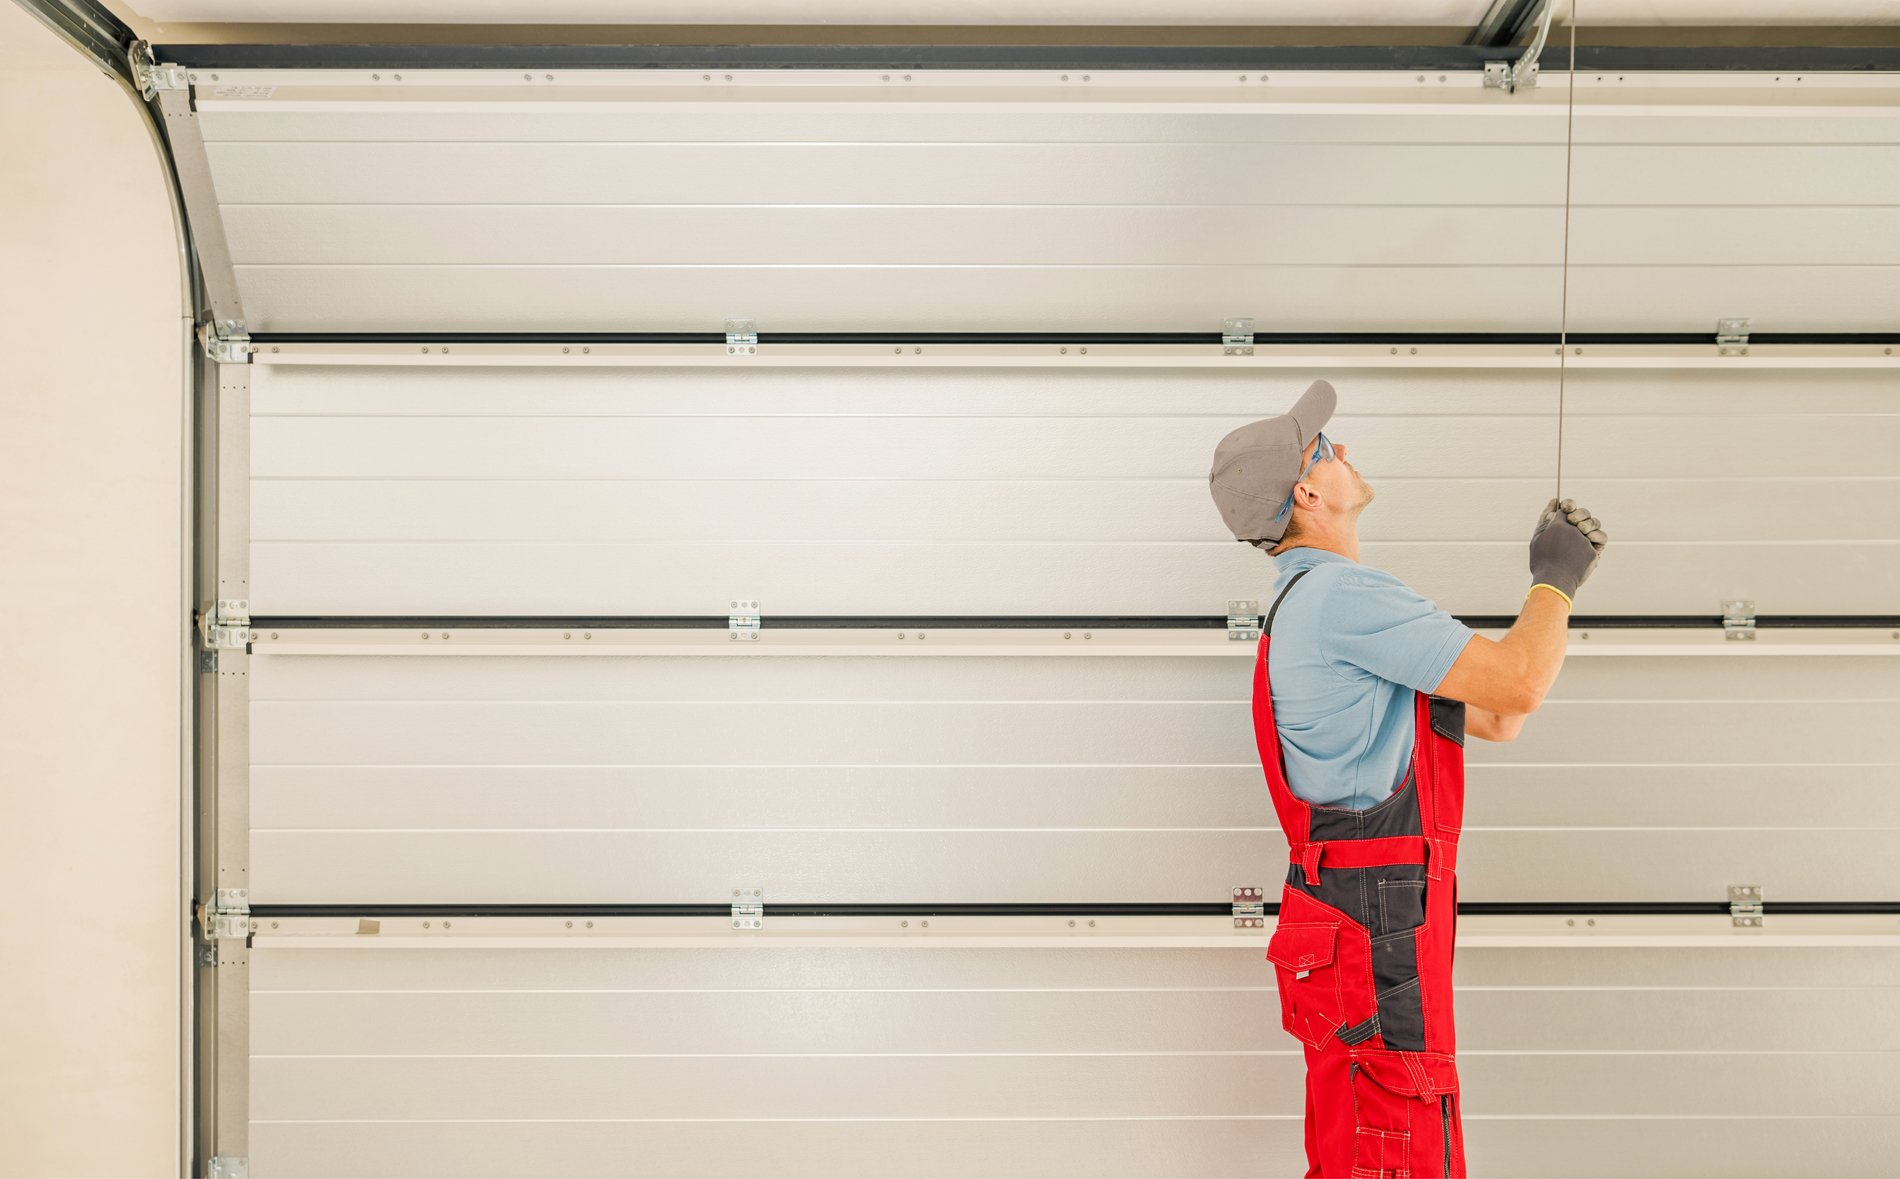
x: 1306, y: 496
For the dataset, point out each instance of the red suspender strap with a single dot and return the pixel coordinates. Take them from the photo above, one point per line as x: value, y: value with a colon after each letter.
x: 1362, y: 853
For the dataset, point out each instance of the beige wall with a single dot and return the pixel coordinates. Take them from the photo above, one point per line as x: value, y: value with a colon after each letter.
x: 90, y: 668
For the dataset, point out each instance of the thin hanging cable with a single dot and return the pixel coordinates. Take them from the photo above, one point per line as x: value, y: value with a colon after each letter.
x: 1563, y: 314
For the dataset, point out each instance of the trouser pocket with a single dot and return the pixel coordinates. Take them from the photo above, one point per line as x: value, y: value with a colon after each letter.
x: 1405, y: 1116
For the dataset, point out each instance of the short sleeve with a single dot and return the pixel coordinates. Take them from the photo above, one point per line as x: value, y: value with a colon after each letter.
x: 1380, y: 626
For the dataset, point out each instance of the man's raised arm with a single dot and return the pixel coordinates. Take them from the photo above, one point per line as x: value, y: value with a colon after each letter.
x: 1503, y: 681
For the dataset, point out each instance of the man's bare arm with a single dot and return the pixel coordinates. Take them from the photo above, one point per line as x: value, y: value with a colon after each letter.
x: 1505, y: 680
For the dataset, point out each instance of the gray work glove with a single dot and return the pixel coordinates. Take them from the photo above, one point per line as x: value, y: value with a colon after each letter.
x: 1566, y: 547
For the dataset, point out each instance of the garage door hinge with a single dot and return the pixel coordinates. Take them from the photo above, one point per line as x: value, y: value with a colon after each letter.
x: 742, y: 337
x: 1738, y: 621
x: 1250, y: 907
x: 1243, y: 620
x: 1731, y: 337
x: 742, y: 624
x: 227, y: 1166
x: 1744, y: 904
x: 227, y: 625
x: 748, y: 908
x: 152, y: 77
x: 225, y: 341
x: 227, y: 914
x: 1236, y: 337
x: 1511, y: 76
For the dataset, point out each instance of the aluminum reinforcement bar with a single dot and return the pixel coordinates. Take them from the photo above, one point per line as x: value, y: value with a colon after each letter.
x: 1052, y: 909
x: 1008, y: 622
x: 1211, y: 339
x: 1860, y: 59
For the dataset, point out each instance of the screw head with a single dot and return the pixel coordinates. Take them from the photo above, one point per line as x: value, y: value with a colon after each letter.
x: 570, y: 925
x: 590, y: 925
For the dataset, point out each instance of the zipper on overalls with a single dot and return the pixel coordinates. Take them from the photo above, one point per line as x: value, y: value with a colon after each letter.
x: 1444, y: 1118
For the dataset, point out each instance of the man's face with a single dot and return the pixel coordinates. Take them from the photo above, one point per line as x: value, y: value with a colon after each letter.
x: 1338, y: 482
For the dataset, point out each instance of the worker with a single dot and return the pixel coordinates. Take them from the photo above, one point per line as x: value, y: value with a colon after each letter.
x: 1363, y: 695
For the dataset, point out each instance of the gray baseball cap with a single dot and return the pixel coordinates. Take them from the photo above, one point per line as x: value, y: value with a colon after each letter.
x: 1256, y: 466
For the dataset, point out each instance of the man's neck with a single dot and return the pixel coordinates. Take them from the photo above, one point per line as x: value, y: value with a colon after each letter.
x: 1345, y: 544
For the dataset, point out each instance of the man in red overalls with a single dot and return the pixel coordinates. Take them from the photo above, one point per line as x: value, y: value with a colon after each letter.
x: 1361, y: 713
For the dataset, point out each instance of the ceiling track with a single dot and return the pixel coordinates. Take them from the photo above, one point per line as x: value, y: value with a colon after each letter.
x: 1815, y: 59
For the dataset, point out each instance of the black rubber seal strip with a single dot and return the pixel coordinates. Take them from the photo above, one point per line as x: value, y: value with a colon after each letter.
x: 1817, y: 59
x: 1005, y: 622
x: 1063, y: 337
x: 1059, y: 909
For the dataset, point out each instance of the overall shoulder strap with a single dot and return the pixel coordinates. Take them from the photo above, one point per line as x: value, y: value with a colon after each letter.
x: 1267, y: 628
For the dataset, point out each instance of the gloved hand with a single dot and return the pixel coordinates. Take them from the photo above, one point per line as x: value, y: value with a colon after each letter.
x: 1566, y: 547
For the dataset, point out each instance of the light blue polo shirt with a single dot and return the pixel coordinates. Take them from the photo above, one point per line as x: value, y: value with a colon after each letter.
x: 1350, y: 645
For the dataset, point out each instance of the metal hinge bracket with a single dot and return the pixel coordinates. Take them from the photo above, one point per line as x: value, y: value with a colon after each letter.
x: 742, y: 337
x: 1512, y: 76
x: 748, y: 908
x: 742, y: 624
x: 1250, y: 907
x: 1744, y: 905
x: 1731, y: 337
x: 227, y: 914
x: 227, y: 625
x: 151, y: 77
x: 1236, y: 337
x: 227, y: 1166
x: 225, y: 341
x: 1738, y: 621
x: 1243, y: 620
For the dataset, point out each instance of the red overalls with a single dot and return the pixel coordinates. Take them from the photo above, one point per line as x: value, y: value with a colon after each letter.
x: 1363, y: 952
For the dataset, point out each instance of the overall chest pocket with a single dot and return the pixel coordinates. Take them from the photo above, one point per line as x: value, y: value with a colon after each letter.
x: 1303, y: 958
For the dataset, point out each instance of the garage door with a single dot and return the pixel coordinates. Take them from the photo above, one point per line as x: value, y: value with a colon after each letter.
x: 580, y: 620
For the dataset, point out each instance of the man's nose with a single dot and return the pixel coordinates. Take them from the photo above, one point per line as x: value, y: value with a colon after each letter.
x: 1339, y: 451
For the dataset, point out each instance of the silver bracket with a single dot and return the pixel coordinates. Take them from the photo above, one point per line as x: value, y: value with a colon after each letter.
x: 1731, y: 337
x: 1512, y: 76
x: 227, y: 915
x: 152, y: 77
x: 1250, y: 907
x: 1744, y: 905
x: 748, y: 908
x: 1236, y: 337
x: 1738, y: 621
x: 227, y: 1166
x: 1243, y: 620
x: 742, y: 337
x: 225, y: 341
x: 227, y: 625
x: 208, y: 955
x: 742, y: 624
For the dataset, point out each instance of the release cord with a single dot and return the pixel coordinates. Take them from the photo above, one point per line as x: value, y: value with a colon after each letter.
x: 1563, y: 314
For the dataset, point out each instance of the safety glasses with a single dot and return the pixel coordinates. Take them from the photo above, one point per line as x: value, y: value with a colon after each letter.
x: 1322, y: 453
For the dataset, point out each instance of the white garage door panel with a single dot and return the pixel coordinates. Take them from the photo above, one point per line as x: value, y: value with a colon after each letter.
x: 1689, y: 173
x: 1801, y: 235
x: 1693, y: 298
x: 1622, y: 1039
x: 1802, y: 795
x: 675, y: 797
x: 627, y: 780
x: 1083, y: 1148
x: 898, y: 299
x: 1026, y: 173
x: 755, y: 235
x: 898, y: 445
x: 948, y: 579
x: 664, y: 491
x: 817, y: 867
x: 1159, y: 509
x: 759, y: 122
